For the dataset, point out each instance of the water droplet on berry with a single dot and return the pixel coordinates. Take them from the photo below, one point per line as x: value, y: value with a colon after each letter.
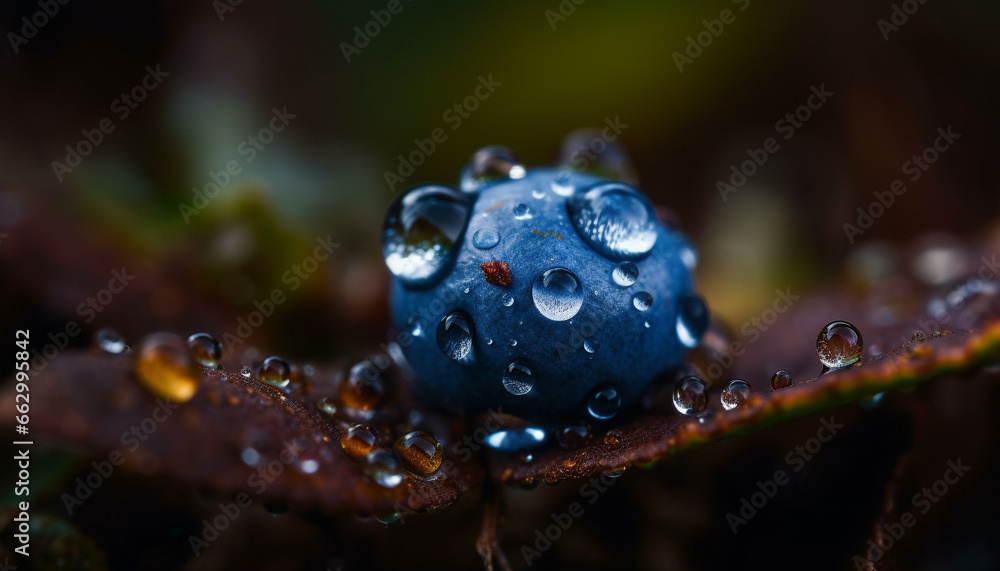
x: 735, y: 394
x: 538, y: 193
x: 614, y: 219
x: 516, y: 439
x: 591, y: 345
x: 164, y: 365
x: 485, y: 238
x: 523, y: 212
x: 508, y: 300
x: 421, y: 231
x: 692, y: 319
x: 518, y: 379
x: 416, y: 326
x: 110, y: 341
x: 513, y: 342
x: 420, y: 451
x: 563, y: 183
x: 690, y: 395
x: 364, y: 389
x: 557, y: 294
x: 646, y: 324
x: 274, y: 371
x: 642, y: 301
x: 606, y: 159
x: 604, y: 402
x: 573, y: 436
x: 206, y: 349
x: 781, y: 380
x: 839, y: 345
x: 383, y: 467
x: 625, y: 274
x: 359, y: 441
x: 454, y: 335
x: 490, y: 164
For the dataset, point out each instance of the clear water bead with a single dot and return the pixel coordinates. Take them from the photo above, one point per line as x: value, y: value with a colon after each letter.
x: 604, y: 402
x: 642, y: 301
x: 690, y: 395
x: 557, y: 294
x: 692, y: 319
x: 485, y: 238
x: 518, y: 379
x: 736, y: 393
x: 625, y: 274
x: 421, y: 231
x: 839, y: 345
x: 614, y: 219
x: 490, y: 164
x: 454, y: 335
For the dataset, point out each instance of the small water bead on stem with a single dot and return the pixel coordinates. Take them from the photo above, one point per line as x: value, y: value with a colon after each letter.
x: 839, y: 345
x: 573, y: 436
x: 164, y: 365
x: 109, y: 341
x: 364, y: 388
x: 383, y: 468
x: 736, y: 393
x: 613, y: 437
x: 359, y: 441
x: 274, y: 371
x: 781, y: 380
x: 690, y: 395
x: 206, y: 349
x: 421, y: 451
x: 245, y: 372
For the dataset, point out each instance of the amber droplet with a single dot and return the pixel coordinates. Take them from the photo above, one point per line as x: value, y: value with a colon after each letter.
x: 327, y: 405
x: 420, y: 451
x: 781, y: 380
x: 274, y: 371
x: 364, y: 388
x: 164, y: 365
x: 206, y: 349
x: 613, y: 437
x: 359, y: 441
x: 497, y: 273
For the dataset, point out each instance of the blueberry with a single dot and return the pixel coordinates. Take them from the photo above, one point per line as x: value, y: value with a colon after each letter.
x: 549, y: 294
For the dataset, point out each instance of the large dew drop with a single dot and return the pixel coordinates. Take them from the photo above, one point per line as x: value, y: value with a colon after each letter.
x: 614, y: 219
x: 690, y: 395
x: 420, y: 451
x: 490, y: 164
x: 518, y: 379
x: 164, y: 365
x: 274, y: 371
x: 604, y: 402
x: 359, y: 441
x: 557, y: 294
x: 206, y: 349
x: 421, y: 231
x: 692, y: 319
x: 454, y: 335
x: 839, y: 345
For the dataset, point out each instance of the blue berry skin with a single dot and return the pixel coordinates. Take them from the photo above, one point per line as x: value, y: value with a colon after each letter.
x: 470, y: 347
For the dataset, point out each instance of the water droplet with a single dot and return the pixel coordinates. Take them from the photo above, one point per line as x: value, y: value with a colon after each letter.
x: 110, y: 341
x: 525, y: 456
x: 416, y: 326
x: 736, y: 393
x: 616, y: 472
x: 421, y: 230
x: 599, y: 156
x: 246, y: 372
x: 308, y: 466
x: 485, y: 238
x: 327, y: 405
x: 625, y: 274
x: 781, y: 380
x: 646, y: 325
x: 614, y: 219
x: 604, y: 402
x: 573, y: 436
x: 690, y: 395
x: 689, y: 256
x: 250, y: 456
x: 490, y: 164
x: 563, y: 183
x: 692, y: 319
x: 518, y: 380
x: 207, y: 349
x: 557, y: 294
x: 513, y: 342
x: 364, y: 389
x: 642, y: 301
x: 383, y: 467
x: 839, y: 345
x: 516, y: 439
x: 591, y: 345
x: 387, y: 519
x: 454, y: 335
x: 420, y: 451
x: 508, y: 300
x: 538, y: 193
x: 489, y: 341
x: 523, y: 212
x: 613, y: 437
x: 359, y: 441
x: 274, y: 371
x: 164, y: 365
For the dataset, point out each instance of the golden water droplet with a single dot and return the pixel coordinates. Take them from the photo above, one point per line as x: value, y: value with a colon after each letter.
x: 206, y: 349
x: 613, y: 438
x: 274, y: 371
x: 364, y: 388
x: 420, y: 451
x: 164, y: 365
x: 359, y: 441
